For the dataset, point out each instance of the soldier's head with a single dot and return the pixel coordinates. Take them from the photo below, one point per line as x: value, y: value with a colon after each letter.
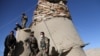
x: 12, y: 33
x: 42, y: 34
x: 17, y: 24
x: 32, y: 33
x: 23, y: 14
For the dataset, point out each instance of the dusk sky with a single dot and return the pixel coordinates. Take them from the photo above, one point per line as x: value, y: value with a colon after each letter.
x: 85, y: 15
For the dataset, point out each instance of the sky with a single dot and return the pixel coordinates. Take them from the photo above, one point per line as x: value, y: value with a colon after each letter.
x: 85, y: 15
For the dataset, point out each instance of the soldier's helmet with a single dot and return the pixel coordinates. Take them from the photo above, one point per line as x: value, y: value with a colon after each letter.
x: 11, y: 32
x: 42, y: 33
x: 32, y: 33
x: 23, y: 13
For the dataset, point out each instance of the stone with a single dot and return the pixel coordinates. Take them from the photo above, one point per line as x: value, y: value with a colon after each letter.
x: 52, y: 9
x: 58, y: 28
x: 53, y: 18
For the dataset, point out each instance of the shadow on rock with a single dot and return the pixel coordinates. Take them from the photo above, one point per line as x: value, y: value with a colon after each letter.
x: 19, y: 48
x: 54, y: 52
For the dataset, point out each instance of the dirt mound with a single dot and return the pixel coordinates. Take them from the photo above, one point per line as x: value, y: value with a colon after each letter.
x: 93, y: 52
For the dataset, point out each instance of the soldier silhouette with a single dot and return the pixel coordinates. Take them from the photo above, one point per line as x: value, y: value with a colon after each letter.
x: 10, y: 43
x: 24, y: 20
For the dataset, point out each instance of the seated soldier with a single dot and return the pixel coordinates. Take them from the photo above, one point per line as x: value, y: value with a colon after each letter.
x: 17, y: 27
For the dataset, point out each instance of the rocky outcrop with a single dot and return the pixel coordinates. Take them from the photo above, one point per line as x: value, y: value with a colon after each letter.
x: 54, y: 20
x: 46, y: 10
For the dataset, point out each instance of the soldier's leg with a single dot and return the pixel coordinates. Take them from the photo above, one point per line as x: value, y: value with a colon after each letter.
x: 34, y: 52
x: 39, y: 54
x: 6, y: 51
x: 11, y: 51
x: 31, y: 53
x: 44, y: 53
x: 24, y: 23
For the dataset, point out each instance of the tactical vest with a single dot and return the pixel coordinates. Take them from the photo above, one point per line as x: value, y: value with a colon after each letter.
x: 33, y: 43
x: 43, y: 43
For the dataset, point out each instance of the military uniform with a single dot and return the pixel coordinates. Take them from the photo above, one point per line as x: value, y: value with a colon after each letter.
x: 33, y: 45
x: 24, y: 21
x: 18, y: 27
x: 44, y: 47
x: 10, y: 42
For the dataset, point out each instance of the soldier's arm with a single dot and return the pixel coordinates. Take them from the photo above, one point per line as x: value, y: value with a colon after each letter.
x: 47, y: 43
x: 5, y: 43
x: 36, y: 42
x: 15, y: 41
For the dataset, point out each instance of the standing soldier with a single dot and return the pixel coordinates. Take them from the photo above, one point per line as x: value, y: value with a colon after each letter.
x: 32, y: 41
x: 10, y: 43
x: 24, y: 20
x: 44, y: 45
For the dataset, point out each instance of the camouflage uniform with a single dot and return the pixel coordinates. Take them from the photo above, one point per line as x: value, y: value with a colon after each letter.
x: 44, y: 47
x: 33, y: 45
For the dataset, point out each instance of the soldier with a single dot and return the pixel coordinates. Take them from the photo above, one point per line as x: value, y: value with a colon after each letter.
x: 10, y: 43
x: 24, y: 20
x: 32, y: 41
x: 17, y: 27
x: 44, y: 45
